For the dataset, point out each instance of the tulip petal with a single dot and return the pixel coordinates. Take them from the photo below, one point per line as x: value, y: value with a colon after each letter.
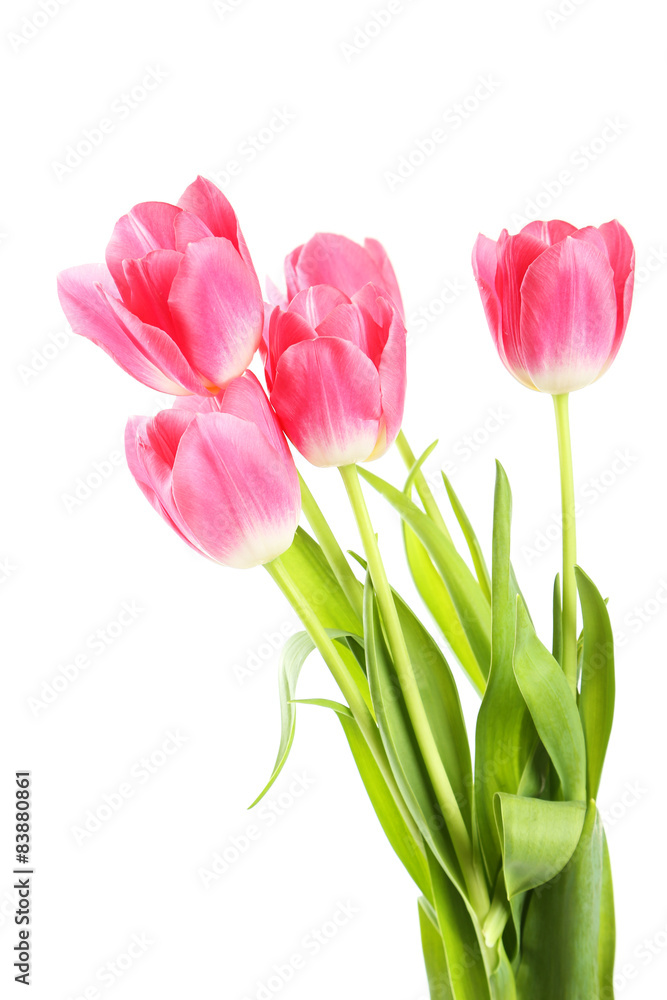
x: 87, y: 296
x: 354, y: 323
x: 291, y: 275
x: 389, y: 281
x: 316, y: 302
x: 245, y: 398
x: 392, y: 376
x: 217, y: 305
x: 329, y: 259
x: 148, y: 226
x: 149, y: 280
x: 285, y: 329
x: 328, y: 399
x: 549, y: 232
x: 188, y: 228
x: 621, y: 255
x: 484, y: 265
x: 568, y: 316
x: 203, y: 199
x: 515, y: 255
x: 239, y: 498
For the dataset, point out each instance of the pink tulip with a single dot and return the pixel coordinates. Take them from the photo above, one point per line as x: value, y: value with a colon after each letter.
x: 220, y: 472
x: 557, y: 300
x: 327, y: 259
x: 178, y: 304
x: 335, y: 368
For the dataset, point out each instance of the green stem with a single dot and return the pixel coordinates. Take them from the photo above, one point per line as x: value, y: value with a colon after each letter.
x: 456, y: 825
x: 569, y: 540
x: 332, y: 550
x: 423, y: 489
x: 349, y: 689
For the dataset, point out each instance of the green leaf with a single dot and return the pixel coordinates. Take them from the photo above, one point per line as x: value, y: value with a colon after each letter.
x: 471, y: 540
x: 607, y: 938
x: 552, y: 706
x: 434, y: 953
x: 505, y: 737
x: 561, y: 934
x: 467, y: 597
x: 538, y: 838
x: 306, y: 563
x: 465, y: 963
x: 294, y: 654
x: 401, y: 745
x: 557, y: 642
x: 435, y: 596
x: 596, y: 703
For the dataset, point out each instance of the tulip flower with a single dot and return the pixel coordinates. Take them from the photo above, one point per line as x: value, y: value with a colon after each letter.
x: 335, y: 368
x: 178, y: 304
x: 557, y: 300
x: 219, y: 471
x: 328, y: 259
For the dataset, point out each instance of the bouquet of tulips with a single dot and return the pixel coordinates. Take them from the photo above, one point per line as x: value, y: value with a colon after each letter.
x: 499, y: 831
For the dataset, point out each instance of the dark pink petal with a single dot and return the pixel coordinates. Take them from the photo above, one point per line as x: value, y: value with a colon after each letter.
x: 149, y: 281
x: 328, y: 259
x: 549, y: 232
x: 245, y: 398
x: 204, y: 199
x: 621, y: 255
x: 589, y: 234
x: 484, y: 265
x: 285, y: 329
x: 316, y: 302
x: 515, y: 254
x: 354, y: 323
x: 568, y: 317
x: 217, y: 306
x: 87, y: 295
x: 393, y: 377
x: 148, y: 226
x: 328, y: 399
x: 238, y: 496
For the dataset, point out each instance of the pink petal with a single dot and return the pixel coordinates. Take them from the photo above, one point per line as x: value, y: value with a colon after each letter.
x: 217, y: 306
x: 328, y: 259
x: 316, y: 302
x: 188, y: 228
x: 393, y: 377
x: 515, y: 254
x: 149, y: 281
x: 291, y: 276
x: 549, y: 232
x: 389, y: 281
x: 87, y: 297
x: 245, y: 398
x: 285, y: 329
x: 621, y: 255
x: 354, y: 323
x: 148, y: 226
x: 568, y: 316
x: 204, y: 199
x: 484, y: 265
x: 239, y: 498
x: 328, y: 399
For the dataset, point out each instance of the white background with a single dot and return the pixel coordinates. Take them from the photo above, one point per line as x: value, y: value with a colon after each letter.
x: 357, y: 104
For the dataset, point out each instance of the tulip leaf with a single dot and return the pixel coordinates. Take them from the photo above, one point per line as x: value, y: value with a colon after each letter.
x: 552, y: 706
x: 437, y: 971
x: 596, y: 703
x: 294, y: 654
x: 561, y: 940
x: 538, y: 838
x: 607, y: 938
x: 557, y: 642
x: 467, y: 597
x: 436, y: 597
x: 505, y: 736
x: 305, y: 562
x: 400, y: 742
x: 474, y: 547
x: 466, y: 970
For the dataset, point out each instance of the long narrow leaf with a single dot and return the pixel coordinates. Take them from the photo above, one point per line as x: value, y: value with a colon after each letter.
x: 596, y: 704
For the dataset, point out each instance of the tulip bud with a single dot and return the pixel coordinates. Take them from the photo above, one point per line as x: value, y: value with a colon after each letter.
x: 335, y: 367
x: 220, y: 472
x: 556, y: 300
x: 178, y: 304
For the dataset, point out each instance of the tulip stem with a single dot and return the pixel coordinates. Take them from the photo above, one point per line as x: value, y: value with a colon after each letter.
x: 362, y: 716
x: 334, y: 554
x: 424, y: 491
x: 570, y: 667
x: 458, y: 831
